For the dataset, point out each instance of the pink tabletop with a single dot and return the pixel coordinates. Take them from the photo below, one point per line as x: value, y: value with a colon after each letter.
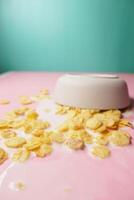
x: 64, y: 175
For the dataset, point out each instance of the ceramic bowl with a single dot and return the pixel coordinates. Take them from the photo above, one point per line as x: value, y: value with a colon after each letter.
x: 95, y: 91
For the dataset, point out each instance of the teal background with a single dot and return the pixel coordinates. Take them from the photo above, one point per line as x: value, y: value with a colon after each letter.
x: 67, y: 35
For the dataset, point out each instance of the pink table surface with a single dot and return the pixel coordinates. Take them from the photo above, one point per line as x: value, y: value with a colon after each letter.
x: 63, y: 175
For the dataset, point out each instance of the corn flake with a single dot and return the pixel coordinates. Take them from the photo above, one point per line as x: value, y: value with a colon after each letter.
x: 3, y: 156
x: 93, y: 123
x: 80, y: 134
x: 37, y: 132
x: 74, y: 143
x: 101, y: 129
x: 101, y: 139
x: 25, y: 100
x: 85, y: 114
x: 76, y: 123
x: 7, y: 133
x: 20, y: 186
x: 119, y: 138
x: 44, y: 150
x: 44, y: 91
x: 21, y: 110
x: 15, y: 142
x: 61, y: 110
x: 33, y: 144
x: 57, y: 136
x: 125, y: 122
x: 4, y: 101
x: 4, y: 124
x: 63, y: 127
x: 16, y: 124
x: 31, y: 115
x: 46, y: 138
x: 100, y: 151
x: 21, y: 155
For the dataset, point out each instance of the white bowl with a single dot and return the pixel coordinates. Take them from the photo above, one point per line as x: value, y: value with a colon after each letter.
x: 95, y: 91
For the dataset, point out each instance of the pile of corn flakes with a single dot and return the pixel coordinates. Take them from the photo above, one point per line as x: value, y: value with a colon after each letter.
x: 82, y: 127
x: 96, y: 127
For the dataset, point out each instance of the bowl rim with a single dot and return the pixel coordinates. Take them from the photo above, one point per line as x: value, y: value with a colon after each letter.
x: 92, y: 75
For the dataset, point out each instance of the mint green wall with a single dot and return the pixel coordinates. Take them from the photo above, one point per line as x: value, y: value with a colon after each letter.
x: 54, y: 35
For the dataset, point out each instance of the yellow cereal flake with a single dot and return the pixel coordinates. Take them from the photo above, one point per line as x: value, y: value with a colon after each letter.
x: 44, y: 150
x: 16, y: 124
x: 46, y: 138
x: 116, y: 118
x: 113, y: 114
x: 4, y: 124
x: 101, y: 129
x: 41, y: 124
x: 100, y: 116
x: 37, y: 132
x: 74, y: 143
x: 125, y: 122
x: 31, y: 125
x: 71, y: 114
x: 44, y: 91
x: 101, y: 139
x: 21, y: 155
x: 4, y: 101
x: 109, y: 122
x: 94, y: 111
x: 40, y: 97
x: 93, y: 123
x: 77, y: 110
x: 76, y: 123
x: 57, y: 136
x: 31, y: 115
x: 20, y: 186
x: 100, y: 151
x: 73, y: 134
x: 25, y: 100
x: 2, y: 152
x: 15, y: 142
x: 7, y: 133
x: 11, y: 116
x: 117, y: 113
x: 85, y: 114
x: 80, y: 134
x: 21, y: 110
x: 3, y: 156
x: 88, y: 139
x: 109, y: 118
x: 33, y: 144
x: 119, y: 138
x: 61, y: 110
x: 63, y: 127
x: 28, y: 126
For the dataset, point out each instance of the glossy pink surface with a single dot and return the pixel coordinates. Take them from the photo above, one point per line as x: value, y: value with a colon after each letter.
x: 65, y: 175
